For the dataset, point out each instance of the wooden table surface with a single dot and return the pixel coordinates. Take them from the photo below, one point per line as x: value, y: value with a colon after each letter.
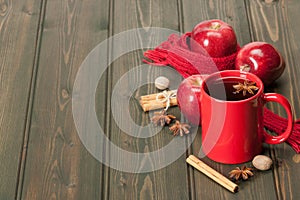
x: 43, y: 45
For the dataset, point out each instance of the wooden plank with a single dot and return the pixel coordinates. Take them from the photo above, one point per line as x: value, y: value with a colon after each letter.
x: 170, y: 182
x: 234, y: 13
x: 18, y: 35
x: 58, y: 166
x: 275, y: 22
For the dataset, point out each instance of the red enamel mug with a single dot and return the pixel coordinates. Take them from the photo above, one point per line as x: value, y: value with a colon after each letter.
x: 232, y: 117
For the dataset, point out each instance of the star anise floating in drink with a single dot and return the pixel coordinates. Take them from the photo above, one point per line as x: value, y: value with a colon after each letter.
x: 247, y: 86
x: 180, y: 128
x: 162, y: 118
x: 243, y: 172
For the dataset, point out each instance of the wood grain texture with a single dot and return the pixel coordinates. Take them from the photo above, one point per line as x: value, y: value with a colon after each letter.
x: 18, y: 34
x: 43, y: 44
x: 170, y: 182
x: 58, y: 166
x: 276, y: 22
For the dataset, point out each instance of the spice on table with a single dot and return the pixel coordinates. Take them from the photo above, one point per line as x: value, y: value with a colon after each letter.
x: 156, y: 101
x: 180, y: 128
x: 211, y: 173
x: 247, y: 86
x: 243, y: 172
x: 162, y: 118
x: 162, y: 83
x: 262, y: 162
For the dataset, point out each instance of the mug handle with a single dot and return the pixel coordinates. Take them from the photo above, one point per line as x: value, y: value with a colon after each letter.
x: 274, y: 97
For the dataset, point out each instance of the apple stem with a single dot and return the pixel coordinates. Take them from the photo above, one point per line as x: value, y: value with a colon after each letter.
x: 215, y: 26
x: 245, y: 68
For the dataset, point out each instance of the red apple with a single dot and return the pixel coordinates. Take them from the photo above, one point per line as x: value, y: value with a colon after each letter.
x: 188, y: 98
x: 214, y: 38
x: 261, y: 59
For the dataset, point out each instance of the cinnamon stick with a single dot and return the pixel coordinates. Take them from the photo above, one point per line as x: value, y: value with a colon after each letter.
x: 153, y: 104
x: 211, y: 173
x: 153, y: 96
x: 150, y: 101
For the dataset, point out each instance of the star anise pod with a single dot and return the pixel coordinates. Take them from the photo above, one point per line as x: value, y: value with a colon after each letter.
x: 247, y: 86
x: 162, y: 118
x: 243, y: 172
x: 180, y: 128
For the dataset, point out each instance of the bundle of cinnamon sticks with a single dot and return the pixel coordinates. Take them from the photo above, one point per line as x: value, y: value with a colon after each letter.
x: 157, y: 100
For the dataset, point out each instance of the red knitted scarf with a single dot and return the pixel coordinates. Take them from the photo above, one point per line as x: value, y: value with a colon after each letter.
x: 176, y: 53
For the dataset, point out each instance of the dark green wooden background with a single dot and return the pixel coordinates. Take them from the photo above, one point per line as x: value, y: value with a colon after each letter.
x: 44, y: 42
